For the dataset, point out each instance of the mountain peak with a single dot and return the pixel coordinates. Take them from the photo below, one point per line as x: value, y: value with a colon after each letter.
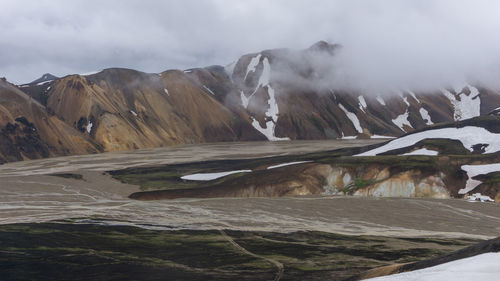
x: 46, y: 77
x: 323, y: 46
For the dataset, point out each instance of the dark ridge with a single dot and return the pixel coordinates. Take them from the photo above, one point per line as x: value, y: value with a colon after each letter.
x: 45, y: 77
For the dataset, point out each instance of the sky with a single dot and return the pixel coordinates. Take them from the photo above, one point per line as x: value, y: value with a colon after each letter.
x: 385, y: 42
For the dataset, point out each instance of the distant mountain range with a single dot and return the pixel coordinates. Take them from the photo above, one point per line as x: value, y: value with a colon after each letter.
x: 270, y: 95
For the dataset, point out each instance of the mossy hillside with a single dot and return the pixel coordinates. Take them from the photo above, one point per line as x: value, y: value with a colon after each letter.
x: 63, y: 251
x: 168, y: 177
x: 68, y: 176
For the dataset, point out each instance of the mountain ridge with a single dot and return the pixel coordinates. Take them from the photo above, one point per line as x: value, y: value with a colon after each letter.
x: 274, y: 94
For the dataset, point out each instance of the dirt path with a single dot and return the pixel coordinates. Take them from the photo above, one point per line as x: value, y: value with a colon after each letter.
x: 276, y: 263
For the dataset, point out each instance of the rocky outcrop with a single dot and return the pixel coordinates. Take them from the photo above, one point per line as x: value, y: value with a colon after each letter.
x: 317, y: 179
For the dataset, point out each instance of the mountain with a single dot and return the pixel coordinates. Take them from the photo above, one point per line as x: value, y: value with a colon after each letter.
x: 279, y: 88
x: 47, y: 77
x: 277, y: 94
x: 28, y: 131
x: 39, y: 88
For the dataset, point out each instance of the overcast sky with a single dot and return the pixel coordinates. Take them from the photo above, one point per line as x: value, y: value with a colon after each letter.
x: 384, y: 40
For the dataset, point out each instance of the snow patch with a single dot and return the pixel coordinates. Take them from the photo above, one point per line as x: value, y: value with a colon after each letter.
x: 479, y: 197
x: 475, y: 170
x: 188, y: 71
x: 133, y: 113
x: 89, y: 127
x: 244, y: 99
x: 90, y: 73
x: 381, y: 137
x: 423, y: 151
x: 268, y: 131
x: 425, y: 116
x: 44, y: 82
x: 211, y: 176
x: 252, y: 65
x: 380, y: 100
x: 166, y: 91
x: 412, y: 94
x: 348, y: 137
x: 208, y: 90
x: 468, y: 135
x: 354, y: 119
x: 272, y: 111
x: 362, y: 103
x: 482, y: 267
x: 405, y: 99
x: 402, y: 120
x: 286, y: 164
x: 265, y: 76
x: 273, y: 105
x: 465, y: 106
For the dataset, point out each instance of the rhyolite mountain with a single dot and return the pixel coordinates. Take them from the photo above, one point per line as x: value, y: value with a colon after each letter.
x: 28, y: 131
x: 270, y: 95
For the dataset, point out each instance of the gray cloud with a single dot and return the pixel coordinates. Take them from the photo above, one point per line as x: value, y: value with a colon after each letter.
x: 387, y: 43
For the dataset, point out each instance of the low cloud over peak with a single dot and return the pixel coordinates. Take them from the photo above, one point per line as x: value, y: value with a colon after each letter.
x: 386, y: 43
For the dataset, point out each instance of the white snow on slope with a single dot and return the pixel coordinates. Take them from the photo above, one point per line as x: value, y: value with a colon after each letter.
x: 44, y: 82
x: 465, y: 106
x: 133, y: 112
x: 425, y: 116
x: 402, y: 120
x: 423, y: 151
x: 484, y: 267
x: 414, y: 96
x: 273, y: 110
x: 268, y: 131
x: 348, y: 137
x: 469, y: 136
x: 479, y: 197
x: 90, y: 73
x: 264, y: 79
x: 244, y: 99
x: 362, y: 103
x: 166, y: 91
x: 405, y: 99
x: 273, y: 105
x: 265, y: 76
x: 211, y: 176
x: 381, y: 137
x: 380, y: 100
x: 475, y: 170
x: 286, y: 164
x: 89, y: 127
x: 252, y: 65
x: 354, y: 119
x: 208, y: 90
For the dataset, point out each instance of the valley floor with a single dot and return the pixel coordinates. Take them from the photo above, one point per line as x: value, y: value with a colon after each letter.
x: 81, y: 224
